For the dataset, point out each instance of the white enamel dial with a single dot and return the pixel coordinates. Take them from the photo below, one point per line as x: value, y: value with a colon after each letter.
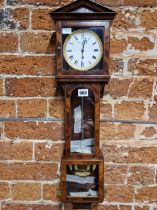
x: 83, y: 50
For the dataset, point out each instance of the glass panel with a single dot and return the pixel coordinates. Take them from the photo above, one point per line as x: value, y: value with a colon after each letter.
x: 82, y: 121
x: 82, y: 180
x: 68, y: 31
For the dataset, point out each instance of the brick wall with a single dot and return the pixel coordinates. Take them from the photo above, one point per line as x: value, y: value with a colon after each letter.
x: 31, y: 149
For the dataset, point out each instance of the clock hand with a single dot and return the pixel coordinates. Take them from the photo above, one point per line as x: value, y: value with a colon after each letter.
x: 82, y: 50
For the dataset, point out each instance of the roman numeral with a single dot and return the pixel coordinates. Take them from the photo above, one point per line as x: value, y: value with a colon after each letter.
x: 82, y: 35
x: 96, y: 50
x: 71, y: 43
x: 71, y: 57
x: 76, y: 62
x: 75, y: 37
x: 93, y: 57
x: 94, y: 43
x: 69, y: 50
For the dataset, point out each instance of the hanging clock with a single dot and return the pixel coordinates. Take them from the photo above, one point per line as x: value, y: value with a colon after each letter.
x: 82, y: 70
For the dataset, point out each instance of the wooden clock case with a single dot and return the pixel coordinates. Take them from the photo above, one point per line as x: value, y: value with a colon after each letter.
x: 82, y: 14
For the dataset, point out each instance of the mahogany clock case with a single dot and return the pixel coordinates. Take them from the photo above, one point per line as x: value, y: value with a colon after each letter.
x: 82, y: 165
x: 100, y: 71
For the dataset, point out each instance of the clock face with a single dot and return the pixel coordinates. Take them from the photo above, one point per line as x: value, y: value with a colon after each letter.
x: 83, y: 50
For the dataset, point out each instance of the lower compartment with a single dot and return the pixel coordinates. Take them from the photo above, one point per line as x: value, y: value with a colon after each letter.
x: 82, y: 180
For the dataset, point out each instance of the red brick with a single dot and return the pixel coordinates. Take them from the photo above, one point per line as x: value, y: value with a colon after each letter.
x: 119, y: 194
x: 28, y: 171
x: 125, y: 20
x: 107, y: 131
x: 117, y: 46
x: 1, y: 87
x: 146, y: 67
x: 102, y: 206
x: 42, y: 20
x: 1, y: 3
x: 56, y: 108
x: 140, y: 3
x: 141, y: 44
x: 124, y: 154
x: 4, y: 191
x: 126, y: 131
x: 118, y: 87
x: 34, y: 130
x: 149, y: 132
x: 50, y: 192
x: 148, y: 19
x: 20, y: 16
x: 49, y: 151
x: 37, y: 2
x: 115, y: 174
x: 129, y: 110
x: 113, y: 3
x: 31, y: 65
x: 105, y: 110
x: 141, y: 88
x: 26, y: 191
x: 110, y: 131
x: 64, y: 2
x: 1, y: 130
x: 141, y: 208
x: 16, y: 206
x: 116, y: 66
x: 141, y: 176
x: 7, y: 108
x: 15, y: 151
x: 36, y: 42
x: 30, y: 87
x: 153, y: 112
x: 32, y: 108
x: 146, y: 194
x: 125, y: 207
x: 9, y: 42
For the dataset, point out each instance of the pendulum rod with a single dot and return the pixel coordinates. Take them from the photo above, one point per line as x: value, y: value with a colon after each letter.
x: 82, y: 122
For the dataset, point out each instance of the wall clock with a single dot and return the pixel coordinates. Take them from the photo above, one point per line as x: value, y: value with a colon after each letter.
x: 82, y: 70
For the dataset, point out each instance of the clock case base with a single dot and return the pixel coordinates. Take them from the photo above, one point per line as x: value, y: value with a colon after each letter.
x: 79, y: 206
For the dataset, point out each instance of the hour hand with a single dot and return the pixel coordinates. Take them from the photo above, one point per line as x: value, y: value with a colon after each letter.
x: 82, y: 64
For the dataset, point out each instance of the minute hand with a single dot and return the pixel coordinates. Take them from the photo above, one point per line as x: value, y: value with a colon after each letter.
x: 82, y: 50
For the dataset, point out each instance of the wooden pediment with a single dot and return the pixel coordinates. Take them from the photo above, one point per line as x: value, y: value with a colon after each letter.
x: 83, y: 10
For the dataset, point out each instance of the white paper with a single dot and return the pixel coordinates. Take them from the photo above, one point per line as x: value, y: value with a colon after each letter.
x: 77, y: 113
x: 82, y: 92
x: 77, y: 119
x: 80, y: 180
x: 84, y: 142
x: 66, y: 31
x: 82, y: 146
x: 77, y: 127
x: 88, y: 193
x: 82, y: 150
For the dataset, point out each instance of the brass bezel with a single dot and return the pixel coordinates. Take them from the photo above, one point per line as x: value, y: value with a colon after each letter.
x: 99, y: 43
